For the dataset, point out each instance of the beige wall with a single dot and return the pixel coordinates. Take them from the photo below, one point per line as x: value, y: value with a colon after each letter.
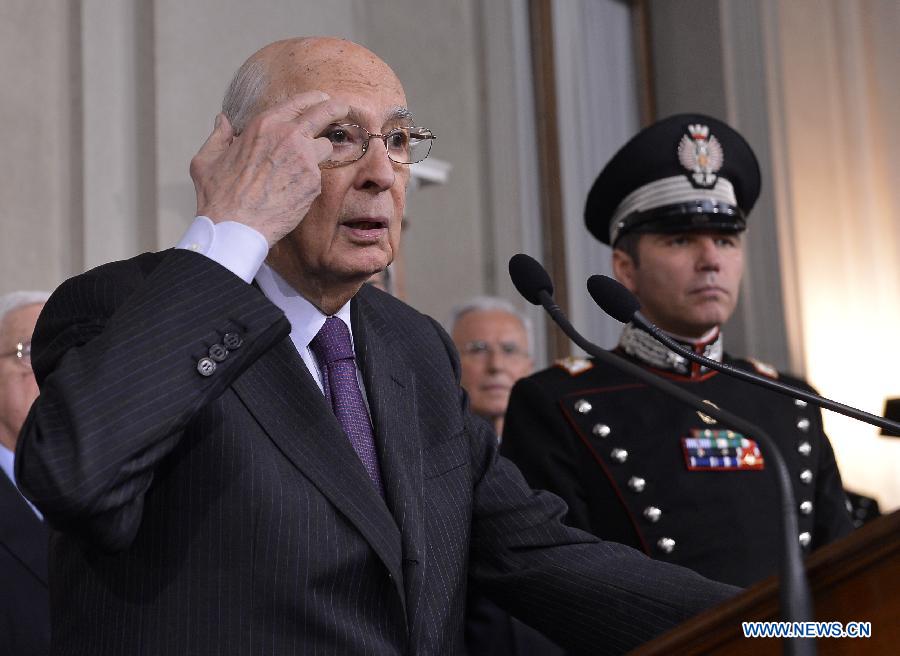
x: 104, y: 117
x: 40, y: 234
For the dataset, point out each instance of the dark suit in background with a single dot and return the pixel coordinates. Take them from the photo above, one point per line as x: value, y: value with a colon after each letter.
x: 24, y: 611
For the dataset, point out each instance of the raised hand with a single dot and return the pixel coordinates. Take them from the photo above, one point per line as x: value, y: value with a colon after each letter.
x: 267, y: 176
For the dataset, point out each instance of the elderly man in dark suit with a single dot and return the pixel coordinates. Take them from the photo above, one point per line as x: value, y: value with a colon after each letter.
x: 223, y: 479
x: 24, y: 608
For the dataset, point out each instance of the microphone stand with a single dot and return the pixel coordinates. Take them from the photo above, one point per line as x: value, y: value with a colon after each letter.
x: 794, y: 594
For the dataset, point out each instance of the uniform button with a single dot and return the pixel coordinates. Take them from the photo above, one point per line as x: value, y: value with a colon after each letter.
x: 619, y: 455
x: 806, y: 507
x: 803, y: 424
x: 806, y: 476
x: 666, y: 545
x: 848, y: 505
x: 805, y: 539
x: 652, y: 513
x: 583, y: 407
x: 804, y: 448
x: 800, y: 403
x: 601, y: 430
x: 637, y: 484
x: 232, y: 341
x: 218, y: 352
x: 206, y: 366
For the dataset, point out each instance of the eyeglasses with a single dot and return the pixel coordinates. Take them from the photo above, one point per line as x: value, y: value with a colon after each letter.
x: 482, y: 350
x: 350, y: 142
x: 22, y: 354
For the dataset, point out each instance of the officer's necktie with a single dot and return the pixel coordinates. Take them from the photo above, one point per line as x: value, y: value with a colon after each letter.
x: 334, y: 352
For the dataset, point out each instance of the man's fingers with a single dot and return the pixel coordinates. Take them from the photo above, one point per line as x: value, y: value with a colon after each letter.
x: 324, y: 149
x: 290, y: 109
x: 312, y: 111
x: 219, y: 140
x: 318, y: 117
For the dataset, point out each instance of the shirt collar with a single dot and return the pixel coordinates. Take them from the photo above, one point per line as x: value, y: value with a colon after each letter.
x: 642, y: 346
x: 7, y: 462
x: 305, y: 318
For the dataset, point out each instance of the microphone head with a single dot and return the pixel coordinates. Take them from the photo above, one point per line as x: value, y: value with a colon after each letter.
x: 529, y: 277
x: 613, y: 298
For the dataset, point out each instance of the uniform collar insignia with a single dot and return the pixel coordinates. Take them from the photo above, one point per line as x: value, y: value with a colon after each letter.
x: 575, y: 365
x: 701, y: 154
x: 641, y: 346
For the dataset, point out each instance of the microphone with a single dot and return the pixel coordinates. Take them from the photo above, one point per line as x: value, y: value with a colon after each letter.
x: 619, y: 303
x: 530, y: 278
x: 534, y: 284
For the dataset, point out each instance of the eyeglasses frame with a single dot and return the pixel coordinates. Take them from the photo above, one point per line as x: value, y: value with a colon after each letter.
x: 328, y: 164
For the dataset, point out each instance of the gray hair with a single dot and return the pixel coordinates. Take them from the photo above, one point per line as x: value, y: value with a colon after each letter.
x: 15, y: 300
x: 244, y: 93
x: 492, y: 304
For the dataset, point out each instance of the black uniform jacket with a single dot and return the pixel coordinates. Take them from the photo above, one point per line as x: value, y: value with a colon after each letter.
x: 615, y: 451
x: 227, y: 513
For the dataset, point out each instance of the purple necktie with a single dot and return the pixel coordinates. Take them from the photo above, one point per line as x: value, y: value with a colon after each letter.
x: 333, y: 350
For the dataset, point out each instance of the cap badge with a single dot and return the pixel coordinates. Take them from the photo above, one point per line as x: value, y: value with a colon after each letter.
x: 701, y: 154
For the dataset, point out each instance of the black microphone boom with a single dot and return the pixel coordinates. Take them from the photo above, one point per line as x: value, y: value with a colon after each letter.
x: 533, y: 282
x: 621, y: 304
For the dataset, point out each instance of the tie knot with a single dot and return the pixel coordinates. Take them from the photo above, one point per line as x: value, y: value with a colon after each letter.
x: 332, y: 342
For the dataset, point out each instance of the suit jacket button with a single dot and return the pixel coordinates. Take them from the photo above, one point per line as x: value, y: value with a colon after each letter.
x: 800, y: 403
x: 206, y: 366
x: 804, y: 448
x: 637, y: 484
x: 803, y: 424
x: 805, y: 538
x: 666, y: 545
x: 218, y: 352
x: 583, y: 407
x: 619, y: 455
x: 232, y: 341
x: 806, y: 507
x: 806, y: 476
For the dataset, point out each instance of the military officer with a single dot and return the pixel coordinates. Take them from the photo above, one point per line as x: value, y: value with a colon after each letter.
x: 634, y: 465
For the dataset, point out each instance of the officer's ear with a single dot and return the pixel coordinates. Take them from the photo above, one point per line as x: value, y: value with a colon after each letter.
x: 624, y: 267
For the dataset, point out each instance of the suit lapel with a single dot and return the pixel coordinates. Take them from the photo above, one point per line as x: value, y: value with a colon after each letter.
x: 21, y: 532
x: 390, y: 389
x: 283, y: 397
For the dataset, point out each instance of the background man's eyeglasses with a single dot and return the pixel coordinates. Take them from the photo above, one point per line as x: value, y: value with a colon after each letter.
x: 404, y: 145
x: 22, y: 354
x: 482, y: 350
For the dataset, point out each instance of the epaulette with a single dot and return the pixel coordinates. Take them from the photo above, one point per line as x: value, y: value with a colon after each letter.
x: 764, y: 368
x: 574, y: 365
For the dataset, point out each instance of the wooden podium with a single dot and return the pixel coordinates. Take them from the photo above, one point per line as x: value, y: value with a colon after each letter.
x: 854, y: 579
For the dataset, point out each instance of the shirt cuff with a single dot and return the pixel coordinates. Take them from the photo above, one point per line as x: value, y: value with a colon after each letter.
x: 237, y: 247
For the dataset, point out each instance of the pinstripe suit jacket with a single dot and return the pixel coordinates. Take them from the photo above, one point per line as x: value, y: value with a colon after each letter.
x: 229, y: 514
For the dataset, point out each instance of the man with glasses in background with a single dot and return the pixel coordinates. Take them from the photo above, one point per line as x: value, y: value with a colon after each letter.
x: 244, y: 449
x: 494, y: 343
x: 24, y: 609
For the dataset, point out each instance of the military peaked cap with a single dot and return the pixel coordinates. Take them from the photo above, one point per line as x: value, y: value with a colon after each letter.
x: 685, y: 172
